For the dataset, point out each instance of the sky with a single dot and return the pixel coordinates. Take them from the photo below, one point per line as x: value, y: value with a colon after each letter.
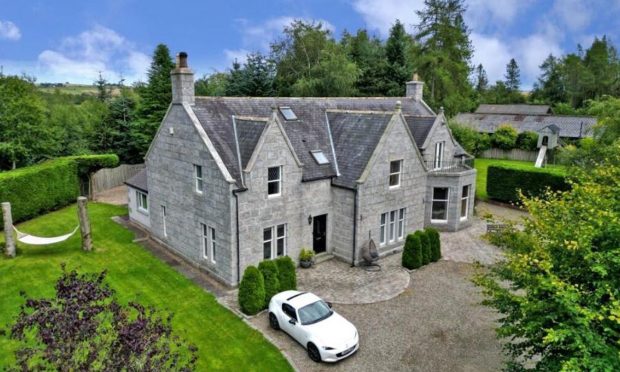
x: 74, y: 40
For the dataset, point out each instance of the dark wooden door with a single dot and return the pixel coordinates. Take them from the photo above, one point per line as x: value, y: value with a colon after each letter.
x: 319, y: 233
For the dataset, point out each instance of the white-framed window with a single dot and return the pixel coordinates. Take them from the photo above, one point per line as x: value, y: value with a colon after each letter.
x: 198, y: 180
x: 382, y: 231
x: 208, y: 242
x: 274, y: 241
x: 274, y: 181
x: 465, y: 202
x: 163, y: 220
x: 396, y: 168
x: 401, y: 223
x: 439, y: 146
x: 142, y: 201
x: 439, y: 212
x: 392, y: 226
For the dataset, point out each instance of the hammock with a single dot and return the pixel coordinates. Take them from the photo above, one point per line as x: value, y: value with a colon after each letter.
x: 36, y: 240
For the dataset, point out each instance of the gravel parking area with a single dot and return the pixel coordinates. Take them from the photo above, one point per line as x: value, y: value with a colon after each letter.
x: 437, y: 324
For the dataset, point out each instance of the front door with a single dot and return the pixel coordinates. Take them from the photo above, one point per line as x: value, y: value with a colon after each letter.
x: 319, y: 233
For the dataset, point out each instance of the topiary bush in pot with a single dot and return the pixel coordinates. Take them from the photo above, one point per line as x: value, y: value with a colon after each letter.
x: 252, y: 291
x: 412, y: 253
x: 269, y: 269
x: 286, y: 273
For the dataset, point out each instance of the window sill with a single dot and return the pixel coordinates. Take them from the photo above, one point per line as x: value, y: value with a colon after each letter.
x: 439, y: 221
x: 394, y: 187
x: 274, y: 196
x: 143, y: 211
x: 463, y: 219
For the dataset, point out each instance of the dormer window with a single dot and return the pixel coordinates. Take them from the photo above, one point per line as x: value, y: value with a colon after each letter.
x: 319, y: 157
x: 396, y: 168
x: 274, y: 181
x: 288, y: 113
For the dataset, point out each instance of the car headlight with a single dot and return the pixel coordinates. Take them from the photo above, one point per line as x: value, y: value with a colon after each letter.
x: 328, y: 348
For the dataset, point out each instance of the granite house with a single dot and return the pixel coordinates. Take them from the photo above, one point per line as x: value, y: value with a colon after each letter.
x: 230, y: 181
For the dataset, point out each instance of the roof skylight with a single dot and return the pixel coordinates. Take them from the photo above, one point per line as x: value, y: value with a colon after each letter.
x: 319, y: 157
x: 287, y: 113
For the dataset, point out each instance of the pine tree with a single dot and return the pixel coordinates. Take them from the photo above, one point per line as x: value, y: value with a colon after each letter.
x: 398, y: 70
x: 513, y: 76
x: 445, y: 53
x: 156, y: 96
x: 482, y: 81
x: 368, y: 54
x: 103, y: 89
x: 550, y: 88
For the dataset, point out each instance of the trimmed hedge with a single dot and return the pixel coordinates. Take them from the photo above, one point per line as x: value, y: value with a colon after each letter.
x: 47, y: 186
x: 286, y: 273
x: 426, y: 246
x: 270, y: 275
x: 505, y: 181
x: 412, y: 253
x: 433, y: 236
x: 251, y: 291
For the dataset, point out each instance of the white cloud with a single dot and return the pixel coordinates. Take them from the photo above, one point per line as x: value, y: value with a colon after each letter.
x: 574, y: 14
x: 9, y: 31
x: 240, y: 55
x: 484, y: 13
x: 81, y: 58
x: 381, y: 15
x: 533, y: 51
x: 493, y: 53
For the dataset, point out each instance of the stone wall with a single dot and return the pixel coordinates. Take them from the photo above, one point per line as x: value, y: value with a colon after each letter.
x: 170, y: 173
x: 376, y: 196
x: 342, y: 222
x: 438, y: 134
x: 454, y: 181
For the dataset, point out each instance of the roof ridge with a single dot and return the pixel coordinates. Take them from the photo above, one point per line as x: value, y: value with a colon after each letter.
x: 301, y: 98
x: 251, y: 118
x: 348, y: 111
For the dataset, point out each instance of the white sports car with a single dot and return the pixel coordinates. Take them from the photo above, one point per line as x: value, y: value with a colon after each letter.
x: 326, y: 335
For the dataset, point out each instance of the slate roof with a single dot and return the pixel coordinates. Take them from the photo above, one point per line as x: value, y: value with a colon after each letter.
x: 138, y: 181
x: 419, y: 126
x: 309, y: 132
x: 570, y: 126
x: 517, y: 109
x: 248, y: 134
x: 355, y: 138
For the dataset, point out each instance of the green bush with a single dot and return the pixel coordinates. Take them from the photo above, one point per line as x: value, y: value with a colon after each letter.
x: 505, y: 181
x: 469, y: 138
x: 412, y: 253
x: 433, y: 236
x: 270, y: 277
x: 252, y: 291
x: 527, y: 140
x: 505, y: 137
x: 286, y: 273
x: 50, y: 185
x: 425, y: 245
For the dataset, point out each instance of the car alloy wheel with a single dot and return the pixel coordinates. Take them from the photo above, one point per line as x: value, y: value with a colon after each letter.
x: 273, y: 321
x: 313, y: 353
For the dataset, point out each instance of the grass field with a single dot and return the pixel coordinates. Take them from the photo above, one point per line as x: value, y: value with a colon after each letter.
x: 482, y: 165
x: 224, y: 341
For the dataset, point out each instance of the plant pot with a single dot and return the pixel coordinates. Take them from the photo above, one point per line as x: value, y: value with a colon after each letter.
x: 305, y: 264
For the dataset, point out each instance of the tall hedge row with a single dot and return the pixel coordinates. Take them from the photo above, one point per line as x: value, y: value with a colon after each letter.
x: 505, y: 181
x: 47, y: 186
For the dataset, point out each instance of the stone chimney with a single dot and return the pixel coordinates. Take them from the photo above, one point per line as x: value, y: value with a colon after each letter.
x: 182, y: 81
x: 415, y: 88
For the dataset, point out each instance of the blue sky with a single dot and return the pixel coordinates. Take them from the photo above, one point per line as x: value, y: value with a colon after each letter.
x: 71, y: 40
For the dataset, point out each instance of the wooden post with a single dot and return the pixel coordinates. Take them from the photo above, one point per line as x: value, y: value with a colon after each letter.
x: 9, y: 239
x: 87, y: 241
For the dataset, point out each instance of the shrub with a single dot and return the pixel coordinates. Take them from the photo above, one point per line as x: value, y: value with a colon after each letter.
x: 270, y: 277
x: 469, y: 138
x: 433, y: 236
x: 527, y: 141
x: 286, y: 273
x: 306, y: 254
x: 50, y: 185
x: 505, y: 137
x: 252, y: 291
x: 425, y: 246
x: 412, y: 253
x: 505, y: 181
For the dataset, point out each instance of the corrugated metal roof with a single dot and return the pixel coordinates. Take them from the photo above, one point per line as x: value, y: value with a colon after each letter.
x: 570, y: 126
x: 516, y: 109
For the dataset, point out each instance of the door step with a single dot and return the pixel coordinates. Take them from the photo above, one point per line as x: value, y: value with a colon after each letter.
x: 322, y: 257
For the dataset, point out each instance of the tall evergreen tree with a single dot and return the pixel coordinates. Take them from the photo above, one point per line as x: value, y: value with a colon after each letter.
x: 550, y: 88
x: 368, y: 54
x: 482, y: 81
x: 513, y: 76
x: 254, y: 79
x: 103, y: 88
x: 156, y: 96
x: 398, y: 70
x: 444, y: 55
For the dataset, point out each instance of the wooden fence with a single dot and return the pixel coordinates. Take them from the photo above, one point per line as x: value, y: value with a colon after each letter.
x: 107, y: 178
x: 514, y: 154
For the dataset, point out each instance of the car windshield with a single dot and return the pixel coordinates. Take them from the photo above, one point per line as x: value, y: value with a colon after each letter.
x: 315, y: 312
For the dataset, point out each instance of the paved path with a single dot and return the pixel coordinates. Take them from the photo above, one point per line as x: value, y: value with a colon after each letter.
x: 116, y: 196
x: 468, y: 246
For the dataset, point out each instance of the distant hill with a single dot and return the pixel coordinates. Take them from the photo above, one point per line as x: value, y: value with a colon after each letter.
x: 74, y: 88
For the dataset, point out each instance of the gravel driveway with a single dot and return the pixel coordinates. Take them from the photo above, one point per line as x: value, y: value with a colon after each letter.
x: 437, y: 324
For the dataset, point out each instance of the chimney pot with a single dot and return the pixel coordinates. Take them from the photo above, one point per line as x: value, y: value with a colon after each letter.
x: 182, y: 81
x: 182, y: 60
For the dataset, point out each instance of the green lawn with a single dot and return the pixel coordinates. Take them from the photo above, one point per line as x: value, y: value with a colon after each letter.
x: 481, y: 166
x: 224, y: 341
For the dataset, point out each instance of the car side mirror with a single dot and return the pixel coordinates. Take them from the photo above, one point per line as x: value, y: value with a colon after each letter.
x: 330, y: 304
x: 292, y: 321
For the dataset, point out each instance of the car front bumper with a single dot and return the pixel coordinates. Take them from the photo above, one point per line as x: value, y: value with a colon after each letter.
x: 331, y: 356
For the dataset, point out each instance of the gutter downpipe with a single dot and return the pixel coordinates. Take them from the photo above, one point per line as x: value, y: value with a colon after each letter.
x: 235, y: 193
x: 354, y: 226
